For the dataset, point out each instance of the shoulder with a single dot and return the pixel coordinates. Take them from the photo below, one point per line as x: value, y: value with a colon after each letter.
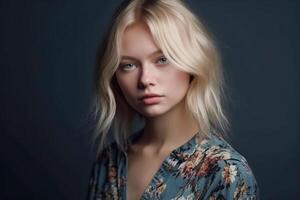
x: 228, y: 173
x: 104, y: 173
x: 218, y: 148
x: 107, y: 161
x: 110, y: 152
x: 113, y: 151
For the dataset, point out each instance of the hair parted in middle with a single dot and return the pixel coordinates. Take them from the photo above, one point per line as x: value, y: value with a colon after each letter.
x: 185, y: 42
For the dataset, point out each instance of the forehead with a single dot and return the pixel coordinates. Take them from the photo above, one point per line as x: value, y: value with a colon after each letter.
x: 137, y: 41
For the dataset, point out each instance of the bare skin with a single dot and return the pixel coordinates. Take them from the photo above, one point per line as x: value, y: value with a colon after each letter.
x: 144, y: 70
x: 147, y: 154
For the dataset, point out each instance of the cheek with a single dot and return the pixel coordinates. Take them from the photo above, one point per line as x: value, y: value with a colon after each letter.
x: 126, y: 85
x: 179, y: 81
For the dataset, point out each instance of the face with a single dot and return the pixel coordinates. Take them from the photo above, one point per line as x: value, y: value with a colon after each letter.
x: 150, y: 83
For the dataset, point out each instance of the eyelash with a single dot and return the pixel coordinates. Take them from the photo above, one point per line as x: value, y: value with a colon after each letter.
x: 123, y: 66
x: 163, y: 57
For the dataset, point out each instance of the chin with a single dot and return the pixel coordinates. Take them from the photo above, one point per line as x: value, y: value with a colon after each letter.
x: 152, y: 112
x: 150, y: 115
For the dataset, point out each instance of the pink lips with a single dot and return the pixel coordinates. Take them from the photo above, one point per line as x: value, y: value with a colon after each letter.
x: 149, y: 99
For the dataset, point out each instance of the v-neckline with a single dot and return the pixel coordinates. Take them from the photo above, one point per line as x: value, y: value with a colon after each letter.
x: 190, y: 142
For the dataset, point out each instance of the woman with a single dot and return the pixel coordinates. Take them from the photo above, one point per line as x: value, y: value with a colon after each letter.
x: 159, y: 64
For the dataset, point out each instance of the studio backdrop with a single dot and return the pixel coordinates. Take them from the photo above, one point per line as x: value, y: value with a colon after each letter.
x: 48, y: 53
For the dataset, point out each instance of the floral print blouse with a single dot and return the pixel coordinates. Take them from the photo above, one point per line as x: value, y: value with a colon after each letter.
x: 208, y: 169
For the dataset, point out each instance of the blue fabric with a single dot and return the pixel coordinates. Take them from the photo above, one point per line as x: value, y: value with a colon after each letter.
x: 207, y: 169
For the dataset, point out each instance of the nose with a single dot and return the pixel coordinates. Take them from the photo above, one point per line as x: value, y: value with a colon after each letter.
x: 146, y: 78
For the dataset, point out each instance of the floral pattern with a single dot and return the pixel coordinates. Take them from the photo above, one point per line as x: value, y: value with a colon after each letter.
x: 208, y: 169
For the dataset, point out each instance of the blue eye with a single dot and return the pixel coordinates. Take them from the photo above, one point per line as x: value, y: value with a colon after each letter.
x: 162, y: 60
x: 127, y: 67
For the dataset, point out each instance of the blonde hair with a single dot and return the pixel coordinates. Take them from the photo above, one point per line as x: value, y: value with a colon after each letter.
x: 186, y: 43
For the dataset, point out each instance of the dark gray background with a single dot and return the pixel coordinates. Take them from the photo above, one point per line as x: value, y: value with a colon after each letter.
x: 47, y: 58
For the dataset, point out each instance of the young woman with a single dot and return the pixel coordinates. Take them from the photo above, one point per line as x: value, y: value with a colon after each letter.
x: 159, y: 64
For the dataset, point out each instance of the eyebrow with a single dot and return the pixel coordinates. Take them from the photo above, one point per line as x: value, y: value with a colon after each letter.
x: 133, y: 58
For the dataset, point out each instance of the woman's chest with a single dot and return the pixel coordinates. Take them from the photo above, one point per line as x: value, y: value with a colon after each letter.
x: 141, y: 172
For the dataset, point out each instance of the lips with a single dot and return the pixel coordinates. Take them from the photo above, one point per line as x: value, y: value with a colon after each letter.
x: 151, y: 98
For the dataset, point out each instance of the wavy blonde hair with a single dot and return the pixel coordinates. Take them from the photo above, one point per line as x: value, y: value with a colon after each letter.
x: 185, y: 42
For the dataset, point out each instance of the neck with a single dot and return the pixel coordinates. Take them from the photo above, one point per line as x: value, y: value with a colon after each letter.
x: 170, y: 130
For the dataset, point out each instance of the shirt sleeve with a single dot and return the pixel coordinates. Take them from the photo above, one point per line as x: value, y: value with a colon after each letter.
x: 232, y: 179
x: 93, y: 182
x: 97, y: 178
